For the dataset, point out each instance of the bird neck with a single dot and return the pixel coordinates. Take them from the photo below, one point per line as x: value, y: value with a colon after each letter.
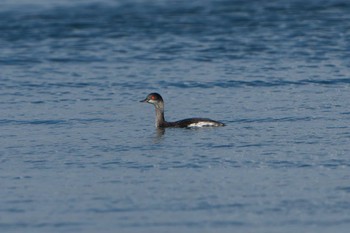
x: 160, y: 120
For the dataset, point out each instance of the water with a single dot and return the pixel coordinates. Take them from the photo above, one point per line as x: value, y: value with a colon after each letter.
x: 79, y: 153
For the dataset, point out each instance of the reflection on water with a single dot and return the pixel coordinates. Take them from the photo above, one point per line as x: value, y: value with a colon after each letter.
x: 159, y: 135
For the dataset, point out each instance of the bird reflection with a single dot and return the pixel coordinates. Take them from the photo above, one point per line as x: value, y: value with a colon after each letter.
x: 159, y: 133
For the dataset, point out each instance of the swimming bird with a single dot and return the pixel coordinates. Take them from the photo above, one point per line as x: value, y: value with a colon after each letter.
x: 157, y: 101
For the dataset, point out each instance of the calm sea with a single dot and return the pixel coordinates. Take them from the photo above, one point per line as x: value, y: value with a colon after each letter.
x: 79, y: 153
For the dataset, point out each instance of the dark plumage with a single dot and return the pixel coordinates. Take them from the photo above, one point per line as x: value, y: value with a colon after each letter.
x: 157, y: 101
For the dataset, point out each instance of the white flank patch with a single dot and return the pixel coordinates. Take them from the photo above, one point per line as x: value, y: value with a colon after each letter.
x: 202, y: 124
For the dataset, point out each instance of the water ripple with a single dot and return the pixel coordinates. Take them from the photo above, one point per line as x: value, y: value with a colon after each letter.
x: 232, y: 83
x: 53, y: 122
x: 271, y: 119
x: 254, y: 83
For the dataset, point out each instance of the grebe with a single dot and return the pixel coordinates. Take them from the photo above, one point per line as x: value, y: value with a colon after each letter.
x: 157, y: 101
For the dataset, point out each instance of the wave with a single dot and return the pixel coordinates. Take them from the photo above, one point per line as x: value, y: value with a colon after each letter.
x: 233, y: 83
x: 255, y: 83
x: 53, y: 122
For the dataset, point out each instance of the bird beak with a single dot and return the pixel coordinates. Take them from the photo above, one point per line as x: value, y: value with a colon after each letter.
x: 144, y: 101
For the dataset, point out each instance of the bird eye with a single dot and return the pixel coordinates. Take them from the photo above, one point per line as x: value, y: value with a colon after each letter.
x: 153, y: 97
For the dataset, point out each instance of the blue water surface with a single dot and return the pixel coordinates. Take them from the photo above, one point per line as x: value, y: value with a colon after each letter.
x: 79, y: 153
